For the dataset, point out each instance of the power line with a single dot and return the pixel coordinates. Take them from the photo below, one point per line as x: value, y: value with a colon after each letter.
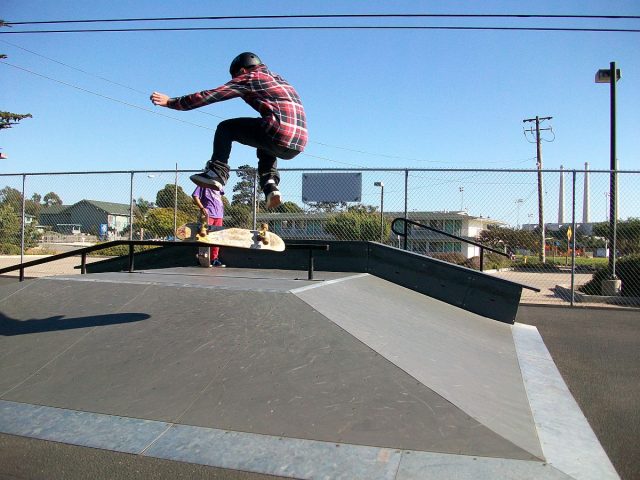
x: 362, y: 152
x: 335, y: 27
x: 332, y: 16
x: 104, y: 96
x: 211, y: 129
x: 147, y: 109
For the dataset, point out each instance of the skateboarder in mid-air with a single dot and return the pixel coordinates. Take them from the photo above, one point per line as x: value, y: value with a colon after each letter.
x: 280, y: 132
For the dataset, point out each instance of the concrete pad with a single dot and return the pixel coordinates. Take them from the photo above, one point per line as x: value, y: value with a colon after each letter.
x: 415, y: 465
x: 120, y: 434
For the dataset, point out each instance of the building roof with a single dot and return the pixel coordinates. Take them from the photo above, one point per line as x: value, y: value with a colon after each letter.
x: 109, y: 207
x: 53, y: 209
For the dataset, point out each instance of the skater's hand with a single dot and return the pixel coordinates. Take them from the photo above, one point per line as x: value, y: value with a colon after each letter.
x: 159, y: 99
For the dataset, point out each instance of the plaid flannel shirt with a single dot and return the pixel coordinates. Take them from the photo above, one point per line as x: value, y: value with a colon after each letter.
x: 269, y: 94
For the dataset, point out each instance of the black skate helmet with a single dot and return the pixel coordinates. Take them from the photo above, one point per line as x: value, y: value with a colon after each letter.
x: 244, y: 60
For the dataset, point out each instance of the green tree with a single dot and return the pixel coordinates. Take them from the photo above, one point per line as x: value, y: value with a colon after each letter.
x: 243, y: 189
x: 13, y: 198
x: 166, y: 198
x: 33, y: 206
x: 627, y: 235
x: 10, y: 221
x: 357, y: 224
x: 326, y: 207
x: 10, y: 225
x: 238, y: 215
x: 159, y: 221
x: 288, y: 207
x: 143, y: 206
x: 501, y: 237
x: 52, y: 198
x: 9, y: 119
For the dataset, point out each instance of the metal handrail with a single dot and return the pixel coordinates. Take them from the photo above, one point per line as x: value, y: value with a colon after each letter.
x: 158, y: 243
x: 404, y: 234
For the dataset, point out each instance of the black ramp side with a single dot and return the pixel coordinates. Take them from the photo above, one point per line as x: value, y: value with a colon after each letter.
x: 472, y: 290
x: 459, y: 286
x: 470, y: 360
x: 251, y: 361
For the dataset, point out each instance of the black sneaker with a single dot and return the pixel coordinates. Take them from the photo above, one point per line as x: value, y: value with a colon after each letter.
x: 208, y: 179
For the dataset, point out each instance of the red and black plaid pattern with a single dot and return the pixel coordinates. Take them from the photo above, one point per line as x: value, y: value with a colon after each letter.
x: 266, y: 92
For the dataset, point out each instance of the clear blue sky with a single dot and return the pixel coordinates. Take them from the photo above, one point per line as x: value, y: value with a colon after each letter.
x: 406, y: 98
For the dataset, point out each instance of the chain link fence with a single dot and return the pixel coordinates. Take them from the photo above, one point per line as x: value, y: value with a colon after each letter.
x: 554, y: 228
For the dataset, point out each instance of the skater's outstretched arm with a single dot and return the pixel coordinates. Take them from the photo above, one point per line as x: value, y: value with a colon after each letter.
x: 159, y: 99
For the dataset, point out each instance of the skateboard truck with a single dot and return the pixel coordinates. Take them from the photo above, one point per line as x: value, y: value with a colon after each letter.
x: 204, y: 219
x: 262, y: 233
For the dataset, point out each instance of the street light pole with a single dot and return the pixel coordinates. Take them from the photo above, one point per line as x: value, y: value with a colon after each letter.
x: 518, y: 202
x: 381, y: 185
x: 613, y: 179
x: 611, y: 76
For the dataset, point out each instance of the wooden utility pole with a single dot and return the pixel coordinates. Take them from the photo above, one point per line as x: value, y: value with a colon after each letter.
x: 540, y: 185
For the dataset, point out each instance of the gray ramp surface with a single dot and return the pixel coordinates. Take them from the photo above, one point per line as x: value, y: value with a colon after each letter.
x: 469, y: 360
x: 346, y: 376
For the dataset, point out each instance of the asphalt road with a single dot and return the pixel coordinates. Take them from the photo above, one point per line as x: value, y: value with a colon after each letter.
x: 597, y: 351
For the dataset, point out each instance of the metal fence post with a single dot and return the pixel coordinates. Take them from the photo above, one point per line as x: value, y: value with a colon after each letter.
x: 175, y: 205
x: 406, y: 207
x: 573, y: 238
x: 24, y: 180
x: 131, y: 206
x: 255, y: 200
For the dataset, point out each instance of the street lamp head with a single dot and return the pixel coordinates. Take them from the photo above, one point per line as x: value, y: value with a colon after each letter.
x: 604, y: 76
x: 378, y: 184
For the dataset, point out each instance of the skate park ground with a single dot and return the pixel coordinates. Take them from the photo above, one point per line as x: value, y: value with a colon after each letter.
x: 595, y: 351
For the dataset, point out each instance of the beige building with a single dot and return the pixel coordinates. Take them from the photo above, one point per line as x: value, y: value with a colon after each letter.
x: 310, y: 226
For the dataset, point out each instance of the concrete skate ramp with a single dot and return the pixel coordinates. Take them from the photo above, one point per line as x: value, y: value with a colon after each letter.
x: 349, y: 376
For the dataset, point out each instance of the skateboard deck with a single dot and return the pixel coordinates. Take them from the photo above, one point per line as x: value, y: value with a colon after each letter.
x: 261, y: 239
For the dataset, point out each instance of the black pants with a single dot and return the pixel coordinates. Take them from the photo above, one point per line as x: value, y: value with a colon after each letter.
x: 251, y: 132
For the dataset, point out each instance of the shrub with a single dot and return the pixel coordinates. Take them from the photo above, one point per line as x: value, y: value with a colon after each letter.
x: 473, y: 262
x: 450, y: 257
x: 41, y: 251
x: 9, y: 249
x: 492, y: 261
x: 120, y: 250
x: 627, y: 270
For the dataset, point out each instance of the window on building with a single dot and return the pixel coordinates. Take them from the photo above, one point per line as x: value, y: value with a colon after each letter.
x: 437, y: 224
x: 444, y: 247
x: 454, y: 227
